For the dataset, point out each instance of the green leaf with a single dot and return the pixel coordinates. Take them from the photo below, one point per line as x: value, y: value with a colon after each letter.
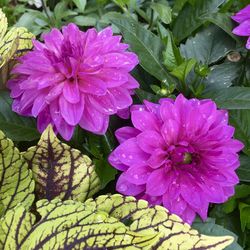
x: 210, y: 228
x: 80, y: 4
x: 16, y: 127
x: 171, y: 55
x: 60, y: 171
x: 191, y: 17
x: 208, y: 46
x: 83, y: 20
x: 145, y: 44
x: 105, y: 171
x: 223, y: 21
x: 231, y: 98
x: 240, y: 119
x: 164, y: 12
x: 109, y: 222
x: 244, y: 215
x: 241, y: 191
x: 222, y: 76
x: 16, y: 184
x: 182, y: 71
x: 244, y: 170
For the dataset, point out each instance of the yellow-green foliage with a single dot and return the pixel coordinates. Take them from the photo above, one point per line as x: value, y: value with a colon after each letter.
x: 13, y: 43
x: 109, y: 222
x: 16, y: 183
x: 60, y: 171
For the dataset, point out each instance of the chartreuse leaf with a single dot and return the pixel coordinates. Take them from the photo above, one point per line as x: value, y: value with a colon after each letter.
x: 61, y: 171
x: 14, y: 43
x: 145, y: 220
x: 109, y: 222
x: 16, y: 184
x: 210, y: 228
x: 3, y: 24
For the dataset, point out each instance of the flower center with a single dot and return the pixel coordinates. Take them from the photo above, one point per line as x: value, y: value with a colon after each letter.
x: 181, y: 155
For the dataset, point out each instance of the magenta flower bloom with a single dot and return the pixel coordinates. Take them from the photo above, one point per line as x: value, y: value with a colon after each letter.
x: 243, y: 18
x: 74, y: 77
x: 180, y: 154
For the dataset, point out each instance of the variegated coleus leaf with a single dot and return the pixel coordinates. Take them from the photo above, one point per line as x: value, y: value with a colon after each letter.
x: 61, y: 171
x: 13, y: 43
x: 16, y: 184
x: 109, y: 222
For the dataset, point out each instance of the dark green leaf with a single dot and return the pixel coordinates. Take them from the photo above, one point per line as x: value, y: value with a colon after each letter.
x: 171, y: 55
x: 244, y: 170
x: 240, y: 119
x: 145, y: 44
x: 231, y: 98
x: 208, y: 46
x: 241, y: 191
x: 105, y: 171
x: 244, y: 215
x: 80, y: 4
x: 222, y: 76
x: 223, y: 21
x: 164, y: 12
x: 15, y: 127
x: 192, y: 17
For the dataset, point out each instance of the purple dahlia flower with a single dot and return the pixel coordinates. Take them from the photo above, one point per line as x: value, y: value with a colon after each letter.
x: 243, y: 18
x: 180, y: 154
x: 74, y: 77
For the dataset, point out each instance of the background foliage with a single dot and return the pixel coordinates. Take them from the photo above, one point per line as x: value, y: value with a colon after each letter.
x: 183, y: 46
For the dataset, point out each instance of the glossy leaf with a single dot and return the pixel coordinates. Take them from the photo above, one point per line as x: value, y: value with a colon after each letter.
x: 208, y: 46
x: 240, y: 119
x: 109, y: 222
x: 223, y: 21
x: 145, y: 44
x: 191, y: 17
x: 16, y: 184
x: 221, y: 76
x: 231, y: 98
x: 61, y: 171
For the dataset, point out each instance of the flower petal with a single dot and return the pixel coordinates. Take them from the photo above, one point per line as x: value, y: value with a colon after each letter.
x: 123, y: 186
x: 157, y: 183
x: 125, y: 133
x: 138, y: 174
x: 129, y: 153
x: 144, y: 120
x: 150, y: 140
x: 71, y: 112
